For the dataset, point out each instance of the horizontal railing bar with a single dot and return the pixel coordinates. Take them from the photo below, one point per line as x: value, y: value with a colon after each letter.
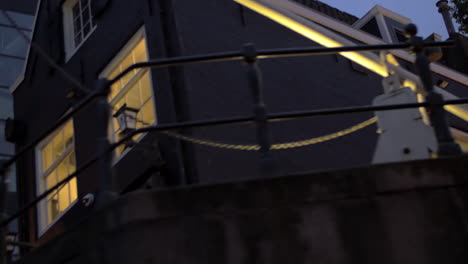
x: 51, y: 129
x: 270, y: 54
x: 214, y: 57
x: 202, y: 123
x: 286, y: 115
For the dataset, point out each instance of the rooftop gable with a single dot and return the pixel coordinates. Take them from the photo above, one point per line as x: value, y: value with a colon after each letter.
x: 329, y: 11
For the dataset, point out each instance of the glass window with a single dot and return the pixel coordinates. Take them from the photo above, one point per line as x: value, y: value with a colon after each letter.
x: 22, y: 21
x: 133, y: 90
x: 10, y: 69
x: 12, y: 43
x: 6, y: 104
x: 56, y: 161
x: 78, y: 23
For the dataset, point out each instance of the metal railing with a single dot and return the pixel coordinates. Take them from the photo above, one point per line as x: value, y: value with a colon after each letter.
x: 260, y: 117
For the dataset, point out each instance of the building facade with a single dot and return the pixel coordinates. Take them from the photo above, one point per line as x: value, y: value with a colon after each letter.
x: 99, y: 39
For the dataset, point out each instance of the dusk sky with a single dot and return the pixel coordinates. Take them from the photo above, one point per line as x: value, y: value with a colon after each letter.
x: 422, y: 12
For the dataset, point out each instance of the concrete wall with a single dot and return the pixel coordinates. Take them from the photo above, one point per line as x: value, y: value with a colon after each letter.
x: 397, y: 213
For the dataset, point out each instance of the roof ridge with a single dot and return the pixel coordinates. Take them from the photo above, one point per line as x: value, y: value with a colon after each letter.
x: 329, y: 11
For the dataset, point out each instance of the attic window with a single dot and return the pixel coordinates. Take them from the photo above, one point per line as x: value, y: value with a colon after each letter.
x: 78, y: 24
x: 400, y: 35
x: 372, y: 27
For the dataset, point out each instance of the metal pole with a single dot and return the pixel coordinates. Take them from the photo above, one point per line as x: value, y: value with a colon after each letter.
x: 3, y: 213
x: 105, y: 194
x: 444, y: 9
x: 437, y: 115
x: 260, y: 114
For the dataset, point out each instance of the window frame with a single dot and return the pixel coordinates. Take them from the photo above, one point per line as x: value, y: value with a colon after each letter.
x: 116, y: 60
x: 42, y: 208
x: 69, y: 31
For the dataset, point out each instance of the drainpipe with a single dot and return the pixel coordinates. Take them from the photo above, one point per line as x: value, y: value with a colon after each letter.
x: 444, y: 9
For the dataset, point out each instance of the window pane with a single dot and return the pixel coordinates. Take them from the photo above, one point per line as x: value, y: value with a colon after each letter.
x: 85, y: 16
x: 53, y: 208
x: 115, y: 88
x: 115, y: 125
x: 77, y: 26
x: 10, y: 69
x: 147, y: 113
x: 128, y: 60
x: 51, y: 180
x: 84, y: 3
x: 12, y: 43
x: 64, y: 198
x: 47, y: 157
x: 62, y: 170
x: 57, y: 145
x: 76, y: 10
x: 140, y: 51
x: 73, y: 190
x: 68, y: 135
x: 145, y: 86
x: 22, y: 20
x: 86, y: 29
x: 133, y: 97
x: 78, y: 39
x: 71, y: 163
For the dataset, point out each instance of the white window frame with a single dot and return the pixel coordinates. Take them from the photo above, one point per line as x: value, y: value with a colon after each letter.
x: 41, y: 208
x: 69, y: 31
x: 140, y: 34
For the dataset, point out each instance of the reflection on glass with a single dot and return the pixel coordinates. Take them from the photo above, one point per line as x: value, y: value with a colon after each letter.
x: 51, y: 180
x: 12, y: 43
x: 23, y: 21
x: 73, y: 190
x: 140, y: 51
x: 68, y: 134
x: 64, y: 197
x: 58, y: 145
x: 62, y: 170
x: 127, y: 62
x: 53, y: 208
x: 71, y: 163
x: 10, y: 69
x: 145, y: 86
x: 47, y: 157
x: 133, y: 97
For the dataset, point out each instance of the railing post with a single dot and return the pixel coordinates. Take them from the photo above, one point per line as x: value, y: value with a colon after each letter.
x: 3, y: 212
x: 437, y: 114
x: 105, y: 194
x: 256, y: 85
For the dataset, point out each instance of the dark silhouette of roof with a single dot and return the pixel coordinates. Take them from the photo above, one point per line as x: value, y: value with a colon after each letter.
x: 329, y: 11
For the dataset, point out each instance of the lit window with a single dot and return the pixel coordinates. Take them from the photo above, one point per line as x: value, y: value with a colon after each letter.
x: 56, y: 160
x: 133, y: 90
x: 78, y: 24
